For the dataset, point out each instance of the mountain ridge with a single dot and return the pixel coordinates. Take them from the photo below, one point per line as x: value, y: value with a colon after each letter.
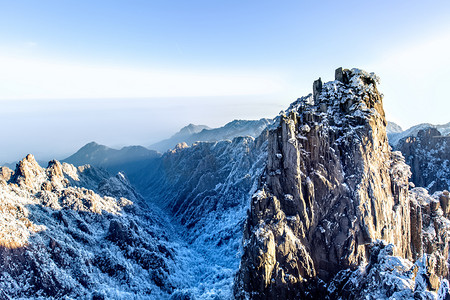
x: 395, y: 137
x: 316, y: 206
x: 229, y: 131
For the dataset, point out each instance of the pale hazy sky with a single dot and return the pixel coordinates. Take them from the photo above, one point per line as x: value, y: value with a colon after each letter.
x: 134, y: 72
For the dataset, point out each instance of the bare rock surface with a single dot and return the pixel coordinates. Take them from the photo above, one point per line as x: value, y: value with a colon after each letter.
x: 428, y: 154
x: 5, y: 173
x: 332, y: 189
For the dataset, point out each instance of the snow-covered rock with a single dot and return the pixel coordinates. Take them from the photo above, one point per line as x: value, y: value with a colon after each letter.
x: 428, y: 154
x: 207, y: 188
x: 332, y: 213
x: 59, y: 239
x: 395, y: 135
x: 335, y: 190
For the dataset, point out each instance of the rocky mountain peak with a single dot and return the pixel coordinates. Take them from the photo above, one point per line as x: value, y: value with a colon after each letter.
x: 191, y: 129
x: 331, y: 189
x: 200, y: 133
x: 179, y: 147
x: 92, y: 145
x: 28, y: 173
x: 54, y: 169
x: 393, y: 128
x: 5, y: 173
x: 61, y: 239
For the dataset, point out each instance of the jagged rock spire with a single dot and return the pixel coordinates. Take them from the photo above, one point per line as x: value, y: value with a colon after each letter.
x: 331, y: 189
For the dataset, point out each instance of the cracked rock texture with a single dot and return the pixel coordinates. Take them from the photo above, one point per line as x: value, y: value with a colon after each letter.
x: 332, y: 188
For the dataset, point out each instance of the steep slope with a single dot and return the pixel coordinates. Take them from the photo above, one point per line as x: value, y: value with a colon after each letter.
x: 391, y: 277
x: 428, y: 154
x: 206, y: 188
x: 60, y: 239
x: 331, y: 189
x: 192, y: 133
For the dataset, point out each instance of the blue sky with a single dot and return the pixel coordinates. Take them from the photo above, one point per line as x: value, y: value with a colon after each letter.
x: 86, y: 65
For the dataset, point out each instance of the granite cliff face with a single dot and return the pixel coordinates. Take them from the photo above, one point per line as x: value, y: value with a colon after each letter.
x: 332, y: 189
x: 428, y: 154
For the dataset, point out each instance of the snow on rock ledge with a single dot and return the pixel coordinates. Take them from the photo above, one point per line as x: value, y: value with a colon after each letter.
x: 59, y: 239
x: 347, y: 191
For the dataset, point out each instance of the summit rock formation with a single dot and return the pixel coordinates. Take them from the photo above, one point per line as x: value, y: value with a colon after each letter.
x: 334, y: 200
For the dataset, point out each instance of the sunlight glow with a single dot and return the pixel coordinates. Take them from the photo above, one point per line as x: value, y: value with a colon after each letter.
x: 37, y: 79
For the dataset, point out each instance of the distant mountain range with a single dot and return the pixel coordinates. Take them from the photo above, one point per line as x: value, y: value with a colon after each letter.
x: 396, y: 133
x: 193, y: 133
x: 426, y: 148
x: 137, y: 161
x: 126, y: 159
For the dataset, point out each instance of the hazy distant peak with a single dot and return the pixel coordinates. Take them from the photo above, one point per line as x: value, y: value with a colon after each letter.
x: 201, y: 133
x: 129, y: 159
x: 190, y: 129
x: 93, y: 146
x: 392, y: 127
x: 134, y: 148
x: 236, y: 122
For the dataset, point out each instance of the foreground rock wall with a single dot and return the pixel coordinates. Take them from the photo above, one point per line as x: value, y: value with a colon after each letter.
x: 331, y: 189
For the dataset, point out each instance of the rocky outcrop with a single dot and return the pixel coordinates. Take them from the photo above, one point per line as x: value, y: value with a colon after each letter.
x: 5, y: 173
x: 428, y: 154
x: 433, y: 233
x: 59, y: 239
x: 28, y: 173
x: 391, y: 276
x: 331, y: 189
x: 128, y: 246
